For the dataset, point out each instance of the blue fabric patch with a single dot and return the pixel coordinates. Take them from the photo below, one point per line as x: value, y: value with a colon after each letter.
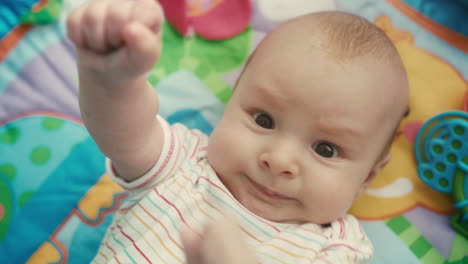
x: 452, y: 14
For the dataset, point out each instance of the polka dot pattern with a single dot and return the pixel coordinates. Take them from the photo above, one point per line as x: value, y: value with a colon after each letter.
x: 31, y: 149
x: 40, y: 155
x: 52, y: 123
x: 9, y: 170
x: 10, y: 136
x: 6, y: 206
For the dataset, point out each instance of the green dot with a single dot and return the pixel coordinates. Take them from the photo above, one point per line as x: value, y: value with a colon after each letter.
x: 75, y: 146
x: 50, y: 123
x: 40, y: 155
x: 8, y: 170
x: 465, y: 160
x: 443, y: 182
x: 459, y: 130
x: 451, y: 158
x: 7, y: 208
x: 438, y: 149
x: 10, y: 136
x: 428, y: 174
x: 24, y: 198
x: 459, y: 173
x: 456, y: 144
x: 440, y: 166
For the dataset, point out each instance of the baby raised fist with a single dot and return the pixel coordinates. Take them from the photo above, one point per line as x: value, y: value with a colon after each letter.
x: 117, y: 38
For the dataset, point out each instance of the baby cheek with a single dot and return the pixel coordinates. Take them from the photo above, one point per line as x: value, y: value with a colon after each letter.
x: 347, y: 195
x: 225, y: 147
x: 332, y: 198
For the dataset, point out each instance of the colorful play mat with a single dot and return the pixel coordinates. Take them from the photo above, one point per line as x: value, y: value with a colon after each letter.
x: 56, y: 200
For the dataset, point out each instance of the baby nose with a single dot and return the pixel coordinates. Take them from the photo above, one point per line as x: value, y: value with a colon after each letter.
x: 279, y: 164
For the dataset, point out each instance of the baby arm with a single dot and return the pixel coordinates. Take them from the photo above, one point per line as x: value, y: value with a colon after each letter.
x: 117, y: 42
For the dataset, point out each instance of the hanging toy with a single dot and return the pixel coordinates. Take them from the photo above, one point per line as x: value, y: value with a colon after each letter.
x: 210, y: 19
x: 441, y: 150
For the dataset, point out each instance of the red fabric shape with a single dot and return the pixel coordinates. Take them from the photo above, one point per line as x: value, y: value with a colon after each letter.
x: 225, y: 20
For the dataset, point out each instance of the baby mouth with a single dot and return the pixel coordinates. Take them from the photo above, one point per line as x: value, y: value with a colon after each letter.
x: 267, y: 192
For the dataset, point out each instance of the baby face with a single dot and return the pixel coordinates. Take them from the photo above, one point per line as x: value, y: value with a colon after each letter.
x: 299, y: 141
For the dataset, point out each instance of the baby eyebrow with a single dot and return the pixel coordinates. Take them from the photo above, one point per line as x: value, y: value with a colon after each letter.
x: 274, y: 98
x: 342, y: 133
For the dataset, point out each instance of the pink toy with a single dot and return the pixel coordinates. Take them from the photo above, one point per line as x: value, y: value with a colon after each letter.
x: 210, y: 19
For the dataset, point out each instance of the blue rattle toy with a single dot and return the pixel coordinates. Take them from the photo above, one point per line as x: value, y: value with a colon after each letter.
x: 441, y: 151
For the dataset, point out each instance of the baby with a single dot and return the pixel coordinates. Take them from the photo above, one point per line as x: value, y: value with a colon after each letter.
x: 307, y: 129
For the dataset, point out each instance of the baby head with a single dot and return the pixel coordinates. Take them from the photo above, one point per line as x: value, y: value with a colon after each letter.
x: 311, y: 119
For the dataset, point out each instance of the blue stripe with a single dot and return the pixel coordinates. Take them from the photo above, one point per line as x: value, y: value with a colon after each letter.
x: 11, y: 13
x: 164, y: 212
x: 123, y: 247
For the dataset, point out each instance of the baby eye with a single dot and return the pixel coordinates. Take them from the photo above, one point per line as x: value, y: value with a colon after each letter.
x: 263, y: 120
x: 325, y: 149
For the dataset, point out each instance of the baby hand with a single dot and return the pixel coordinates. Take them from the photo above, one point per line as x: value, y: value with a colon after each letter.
x: 117, y: 39
x: 221, y: 242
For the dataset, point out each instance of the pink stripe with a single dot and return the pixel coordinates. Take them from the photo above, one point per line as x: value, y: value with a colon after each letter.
x: 41, y: 113
x: 325, y: 260
x: 342, y: 228
x: 221, y: 189
x: 196, y: 145
x: 346, y: 246
x: 177, y: 210
x: 184, y: 148
x: 315, y: 233
x: 168, y: 174
x: 163, y: 166
x: 133, y: 242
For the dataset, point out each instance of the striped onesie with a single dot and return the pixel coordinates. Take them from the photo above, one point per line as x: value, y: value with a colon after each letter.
x: 182, y: 189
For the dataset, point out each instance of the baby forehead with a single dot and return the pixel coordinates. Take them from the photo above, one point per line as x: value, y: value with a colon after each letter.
x: 340, y: 34
x: 323, y: 97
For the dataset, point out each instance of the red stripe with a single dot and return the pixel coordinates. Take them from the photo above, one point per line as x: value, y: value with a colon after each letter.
x: 177, y: 210
x: 344, y: 245
x: 342, y: 228
x: 324, y: 260
x: 315, y: 232
x: 133, y: 242
x: 196, y: 145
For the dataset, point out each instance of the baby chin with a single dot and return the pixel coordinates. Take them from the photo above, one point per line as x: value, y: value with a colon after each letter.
x: 263, y: 203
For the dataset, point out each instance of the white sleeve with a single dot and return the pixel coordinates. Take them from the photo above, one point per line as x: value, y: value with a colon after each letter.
x: 348, y: 243
x: 163, y: 167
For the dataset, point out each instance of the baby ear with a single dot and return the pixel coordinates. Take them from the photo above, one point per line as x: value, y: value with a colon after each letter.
x: 377, y: 168
x: 374, y: 172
